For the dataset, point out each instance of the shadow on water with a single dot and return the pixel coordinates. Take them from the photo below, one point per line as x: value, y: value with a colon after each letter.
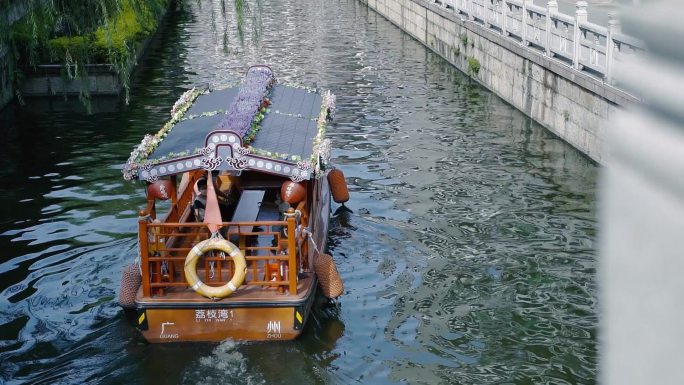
x: 468, y: 257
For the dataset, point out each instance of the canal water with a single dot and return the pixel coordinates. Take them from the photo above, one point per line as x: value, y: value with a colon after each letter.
x: 469, y: 258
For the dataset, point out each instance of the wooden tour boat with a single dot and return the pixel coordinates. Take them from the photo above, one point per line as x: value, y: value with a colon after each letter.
x: 243, y: 175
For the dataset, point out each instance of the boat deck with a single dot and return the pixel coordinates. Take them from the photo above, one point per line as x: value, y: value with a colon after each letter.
x: 244, y: 296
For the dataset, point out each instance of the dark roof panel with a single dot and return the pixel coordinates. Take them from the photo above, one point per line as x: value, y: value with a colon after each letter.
x: 296, y: 101
x: 187, y: 136
x: 213, y: 101
x: 286, y: 134
x: 289, y: 127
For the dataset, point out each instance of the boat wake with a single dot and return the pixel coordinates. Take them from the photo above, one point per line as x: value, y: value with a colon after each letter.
x: 225, y: 364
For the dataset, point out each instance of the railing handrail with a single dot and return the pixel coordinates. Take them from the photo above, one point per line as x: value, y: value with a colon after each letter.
x: 534, y: 8
x: 536, y: 28
x: 222, y: 224
x: 162, y: 246
x: 628, y: 40
x: 567, y: 19
x: 595, y: 28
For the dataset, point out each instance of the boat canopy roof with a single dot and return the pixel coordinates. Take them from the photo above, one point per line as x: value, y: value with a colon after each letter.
x: 276, y: 129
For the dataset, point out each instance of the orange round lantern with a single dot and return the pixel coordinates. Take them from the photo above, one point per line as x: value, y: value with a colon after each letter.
x: 292, y: 192
x: 160, y: 189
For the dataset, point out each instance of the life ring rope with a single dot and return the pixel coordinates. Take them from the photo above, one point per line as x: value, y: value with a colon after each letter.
x: 220, y: 244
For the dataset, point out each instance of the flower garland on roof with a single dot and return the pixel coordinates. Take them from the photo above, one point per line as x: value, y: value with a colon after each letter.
x: 275, y: 155
x: 248, y: 107
x: 263, y: 80
x: 184, y: 101
x: 151, y: 142
x: 322, y: 146
x: 320, y: 155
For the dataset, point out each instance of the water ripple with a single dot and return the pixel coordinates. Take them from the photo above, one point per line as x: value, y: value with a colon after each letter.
x: 469, y: 258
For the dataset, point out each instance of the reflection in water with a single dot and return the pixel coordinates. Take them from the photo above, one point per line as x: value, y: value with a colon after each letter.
x: 468, y: 257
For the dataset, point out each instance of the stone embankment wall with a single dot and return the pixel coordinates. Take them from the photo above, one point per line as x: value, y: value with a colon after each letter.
x: 556, y: 92
x: 47, y: 80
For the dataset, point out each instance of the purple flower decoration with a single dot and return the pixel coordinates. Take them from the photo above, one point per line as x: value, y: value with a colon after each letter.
x: 247, y: 103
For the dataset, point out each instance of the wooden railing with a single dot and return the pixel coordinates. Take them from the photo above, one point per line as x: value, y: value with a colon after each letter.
x: 579, y: 44
x: 271, y: 257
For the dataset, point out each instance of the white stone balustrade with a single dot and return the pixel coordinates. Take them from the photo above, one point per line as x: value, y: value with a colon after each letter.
x: 570, y: 39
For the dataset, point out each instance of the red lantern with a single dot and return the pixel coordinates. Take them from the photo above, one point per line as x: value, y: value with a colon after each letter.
x: 160, y: 189
x: 292, y: 192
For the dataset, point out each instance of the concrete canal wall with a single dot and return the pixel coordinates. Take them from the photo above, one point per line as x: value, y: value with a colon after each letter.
x: 555, y: 68
x: 47, y: 80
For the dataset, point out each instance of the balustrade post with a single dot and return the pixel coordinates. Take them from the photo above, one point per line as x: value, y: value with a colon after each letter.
x: 580, y: 17
x: 469, y: 6
x: 144, y: 254
x: 292, y: 252
x: 551, y: 7
x: 504, y: 15
x: 613, y: 28
x: 523, y: 21
x: 487, y: 12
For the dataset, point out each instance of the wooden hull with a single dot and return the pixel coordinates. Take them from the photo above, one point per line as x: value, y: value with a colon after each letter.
x: 219, y: 324
x: 276, y: 296
x: 163, y: 322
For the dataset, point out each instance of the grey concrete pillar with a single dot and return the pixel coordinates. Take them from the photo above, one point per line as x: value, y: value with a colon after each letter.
x: 641, y: 271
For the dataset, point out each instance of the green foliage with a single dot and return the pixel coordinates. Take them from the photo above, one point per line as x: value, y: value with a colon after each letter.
x: 127, y: 26
x: 111, y: 42
x: 62, y: 46
x: 473, y: 66
x: 76, y: 32
x: 464, y: 40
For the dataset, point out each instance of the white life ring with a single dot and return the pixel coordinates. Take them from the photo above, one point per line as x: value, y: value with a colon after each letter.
x: 215, y: 291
